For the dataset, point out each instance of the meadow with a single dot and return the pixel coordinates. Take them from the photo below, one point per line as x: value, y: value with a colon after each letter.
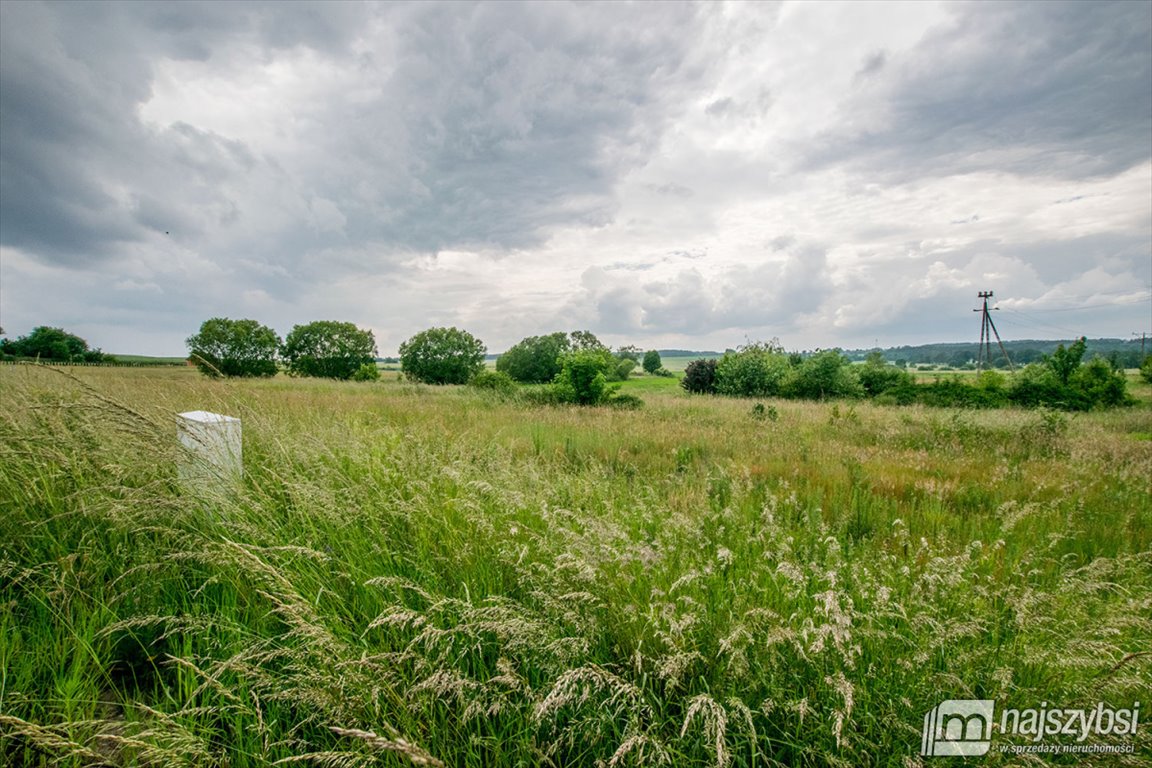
x: 413, y: 575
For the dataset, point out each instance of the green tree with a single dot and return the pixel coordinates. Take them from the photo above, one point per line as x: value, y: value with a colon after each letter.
x: 328, y: 349
x: 442, y: 356
x: 630, y: 352
x: 700, y: 376
x: 823, y: 375
x: 754, y: 370
x: 1146, y: 369
x: 877, y: 377
x: 583, y: 378
x: 652, y: 362
x: 52, y: 344
x: 226, y: 347
x: 1064, y: 362
x: 536, y: 359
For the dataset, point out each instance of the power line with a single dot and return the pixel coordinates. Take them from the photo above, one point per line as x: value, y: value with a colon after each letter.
x: 987, y: 329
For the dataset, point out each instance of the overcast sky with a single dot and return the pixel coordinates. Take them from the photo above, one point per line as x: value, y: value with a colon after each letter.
x: 666, y: 175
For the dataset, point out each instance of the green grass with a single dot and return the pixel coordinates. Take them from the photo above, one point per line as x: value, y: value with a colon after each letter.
x: 420, y: 575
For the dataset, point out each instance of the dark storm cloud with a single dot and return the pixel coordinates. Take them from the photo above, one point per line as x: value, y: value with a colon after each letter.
x: 1056, y: 89
x: 488, y: 124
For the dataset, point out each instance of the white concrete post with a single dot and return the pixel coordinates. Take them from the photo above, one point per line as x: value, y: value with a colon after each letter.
x: 214, y: 447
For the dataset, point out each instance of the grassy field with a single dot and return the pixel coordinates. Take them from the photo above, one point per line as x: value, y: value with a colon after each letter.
x: 410, y: 575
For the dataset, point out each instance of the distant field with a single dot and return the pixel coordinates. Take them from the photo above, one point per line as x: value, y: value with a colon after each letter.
x: 414, y: 575
x: 148, y: 359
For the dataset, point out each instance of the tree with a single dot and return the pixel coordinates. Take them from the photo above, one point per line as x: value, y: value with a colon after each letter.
x: 700, y: 377
x: 825, y: 374
x: 1064, y: 362
x: 630, y: 352
x: 226, y: 347
x: 583, y: 378
x: 52, y: 344
x: 536, y: 359
x: 877, y: 377
x: 652, y: 361
x: 442, y: 356
x: 328, y: 349
x: 754, y: 370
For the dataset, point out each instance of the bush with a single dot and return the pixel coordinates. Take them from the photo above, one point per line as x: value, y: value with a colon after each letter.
x: 877, y: 377
x: 823, y: 375
x: 622, y: 369
x: 442, y: 356
x: 1062, y: 381
x: 954, y: 393
x: 652, y: 361
x: 328, y: 349
x: 755, y: 370
x: 582, y: 378
x: 367, y: 372
x: 1146, y: 369
x: 240, y: 348
x: 700, y: 377
x: 495, y: 381
x: 626, y: 402
x: 536, y: 359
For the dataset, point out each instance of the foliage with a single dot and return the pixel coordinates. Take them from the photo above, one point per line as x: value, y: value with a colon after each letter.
x: 1063, y: 381
x: 1146, y: 369
x: 754, y: 370
x: 625, y: 402
x: 496, y: 381
x: 824, y: 375
x: 536, y: 359
x: 234, y: 348
x: 442, y: 356
x: 877, y: 376
x: 622, y: 369
x: 53, y: 344
x: 367, y: 372
x: 328, y: 349
x: 630, y: 352
x: 1064, y: 362
x: 583, y: 378
x: 652, y: 361
x: 700, y: 376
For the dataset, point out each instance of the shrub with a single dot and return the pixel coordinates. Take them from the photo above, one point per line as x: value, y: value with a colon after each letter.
x: 495, y: 381
x: 328, y: 349
x: 622, y: 369
x: 582, y: 378
x: 366, y: 372
x: 700, y: 377
x: 877, y: 377
x: 652, y: 361
x: 755, y: 370
x: 823, y: 375
x: 625, y: 402
x: 1146, y: 369
x: 240, y: 348
x: 442, y: 356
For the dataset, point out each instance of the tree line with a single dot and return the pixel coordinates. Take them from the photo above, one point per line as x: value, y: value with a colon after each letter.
x: 1060, y: 380
x: 54, y: 345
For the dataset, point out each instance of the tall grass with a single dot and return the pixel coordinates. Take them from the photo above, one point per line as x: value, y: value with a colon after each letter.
x: 414, y: 575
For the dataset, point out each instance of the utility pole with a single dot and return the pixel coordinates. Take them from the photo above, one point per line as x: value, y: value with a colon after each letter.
x: 987, y: 330
x: 1143, y: 336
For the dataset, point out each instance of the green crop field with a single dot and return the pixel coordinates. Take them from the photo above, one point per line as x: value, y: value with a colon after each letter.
x: 413, y: 575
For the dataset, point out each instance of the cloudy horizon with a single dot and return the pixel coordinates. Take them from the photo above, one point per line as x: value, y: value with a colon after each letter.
x: 666, y: 175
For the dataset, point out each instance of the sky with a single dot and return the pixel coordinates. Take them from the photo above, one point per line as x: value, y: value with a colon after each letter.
x: 663, y: 174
